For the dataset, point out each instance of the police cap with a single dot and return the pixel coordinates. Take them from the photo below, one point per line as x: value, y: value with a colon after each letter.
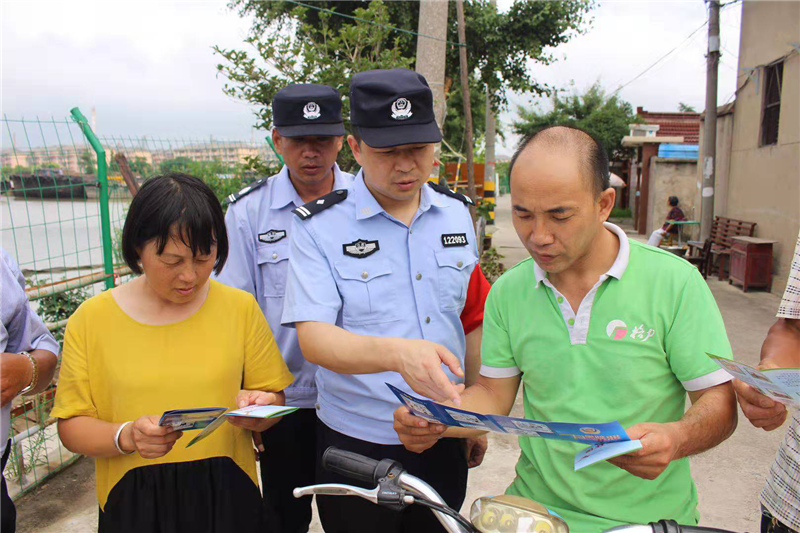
x: 392, y: 108
x: 308, y: 110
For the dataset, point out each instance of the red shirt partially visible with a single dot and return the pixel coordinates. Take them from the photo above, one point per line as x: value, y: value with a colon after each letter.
x: 478, y: 290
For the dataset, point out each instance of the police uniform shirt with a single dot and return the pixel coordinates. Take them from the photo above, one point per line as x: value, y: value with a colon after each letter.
x: 259, y: 230
x: 355, y: 266
x: 20, y: 329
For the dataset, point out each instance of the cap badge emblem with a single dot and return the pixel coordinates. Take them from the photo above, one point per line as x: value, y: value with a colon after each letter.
x: 311, y: 111
x: 401, y: 109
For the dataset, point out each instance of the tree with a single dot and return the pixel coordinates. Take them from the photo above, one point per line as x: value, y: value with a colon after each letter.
x: 87, y: 162
x: 223, y: 178
x: 606, y: 118
x: 686, y: 108
x: 139, y: 166
x: 292, y: 43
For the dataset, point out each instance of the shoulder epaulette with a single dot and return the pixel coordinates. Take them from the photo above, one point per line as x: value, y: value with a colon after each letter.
x: 452, y: 194
x: 320, y: 204
x: 232, y: 198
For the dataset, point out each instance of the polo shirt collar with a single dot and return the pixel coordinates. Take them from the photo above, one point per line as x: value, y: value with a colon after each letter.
x: 284, y: 193
x: 620, y: 263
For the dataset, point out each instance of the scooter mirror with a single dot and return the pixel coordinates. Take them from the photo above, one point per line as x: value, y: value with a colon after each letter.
x: 513, y: 514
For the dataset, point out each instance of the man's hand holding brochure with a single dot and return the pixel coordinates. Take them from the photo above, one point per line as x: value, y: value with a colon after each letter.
x: 779, y: 384
x: 609, y: 439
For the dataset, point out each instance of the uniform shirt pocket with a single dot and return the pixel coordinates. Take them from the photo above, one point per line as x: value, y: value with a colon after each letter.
x: 273, y: 261
x: 455, y: 269
x: 367, y: 290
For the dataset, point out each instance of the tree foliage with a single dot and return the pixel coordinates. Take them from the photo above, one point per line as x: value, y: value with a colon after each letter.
x: 139, y: 166
x: 223, y: 178
x: 294, y: 44
x: 686, y: 108
x: 607, y: 118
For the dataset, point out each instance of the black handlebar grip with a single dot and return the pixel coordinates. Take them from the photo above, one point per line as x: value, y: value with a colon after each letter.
x: 355, y: 466
x: 671, y: 526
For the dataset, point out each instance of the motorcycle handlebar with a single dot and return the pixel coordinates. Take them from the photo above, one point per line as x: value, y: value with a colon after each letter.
x: 670, y: 526
x: 664, y: 526
x: 355, y: 466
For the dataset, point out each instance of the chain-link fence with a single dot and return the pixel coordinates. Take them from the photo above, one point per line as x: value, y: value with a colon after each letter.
x: 64, y: 195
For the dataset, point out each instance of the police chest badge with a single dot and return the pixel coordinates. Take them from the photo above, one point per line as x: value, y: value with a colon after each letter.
x: 272, y: 236
x: 454, y: 239
x: 311, y: 111
x: 401, y: 109
x: 361, y: 248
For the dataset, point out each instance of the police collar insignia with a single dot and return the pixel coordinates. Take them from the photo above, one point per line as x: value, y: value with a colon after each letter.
x: 311, y: 111
x: 401, y: 109
x: 272, y: 236
x: 454, y: 239
x: 361, y: 248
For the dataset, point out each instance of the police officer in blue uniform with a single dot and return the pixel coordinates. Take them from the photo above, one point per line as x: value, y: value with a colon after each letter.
x: 308, y: 134
x: 378, y: 277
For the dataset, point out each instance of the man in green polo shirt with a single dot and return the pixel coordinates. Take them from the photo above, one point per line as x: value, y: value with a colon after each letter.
x: 598, y: 328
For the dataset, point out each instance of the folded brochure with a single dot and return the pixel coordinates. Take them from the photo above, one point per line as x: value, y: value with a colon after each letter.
x: 210, y: 418
x: 779, y: 384
x: 610, y: 438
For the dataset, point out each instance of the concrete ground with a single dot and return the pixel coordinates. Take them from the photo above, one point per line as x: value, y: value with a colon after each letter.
x: 729, y: 478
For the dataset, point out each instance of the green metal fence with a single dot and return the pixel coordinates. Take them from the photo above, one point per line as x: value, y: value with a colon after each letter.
x: 58, y: 216
x: 63, y: 202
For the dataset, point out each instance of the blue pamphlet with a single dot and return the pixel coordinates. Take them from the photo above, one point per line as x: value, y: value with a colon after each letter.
x: 210, y: 418
x: 609, y: 439
x: 189, y: 419
x: 780, y: 384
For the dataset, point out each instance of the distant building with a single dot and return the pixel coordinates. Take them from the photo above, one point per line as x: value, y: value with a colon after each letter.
x: 686, y: 125
x: 664, y: 164
x: 75, y: 161
x: 758, y: 134
x: 228, y: 152
x: 71, y: 161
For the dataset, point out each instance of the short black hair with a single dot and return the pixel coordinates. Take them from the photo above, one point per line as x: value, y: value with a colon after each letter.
x: 673, y: 201
x: 169, y: 200
x: 557, y: 137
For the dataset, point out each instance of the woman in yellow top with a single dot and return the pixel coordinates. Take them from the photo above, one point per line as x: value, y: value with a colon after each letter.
x: 169, y: 339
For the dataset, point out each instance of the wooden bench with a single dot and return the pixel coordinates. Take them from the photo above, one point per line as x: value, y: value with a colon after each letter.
x: 722, y: 231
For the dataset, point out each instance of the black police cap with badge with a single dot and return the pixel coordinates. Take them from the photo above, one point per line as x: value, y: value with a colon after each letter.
x: 395, y: 107
x: 302, y: 110
x: 388, y: 108
x: 392, y: 107
x: 308, y: 110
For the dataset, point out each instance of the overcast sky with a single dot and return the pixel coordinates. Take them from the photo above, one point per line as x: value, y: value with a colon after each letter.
x: 147, y: 67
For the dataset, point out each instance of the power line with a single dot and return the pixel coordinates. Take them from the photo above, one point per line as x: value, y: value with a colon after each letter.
x: 722, y: 6
x: 392, y: 28
x: 645, y: 71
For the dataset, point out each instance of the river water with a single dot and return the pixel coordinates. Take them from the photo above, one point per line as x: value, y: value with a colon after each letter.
x: 54, y: 239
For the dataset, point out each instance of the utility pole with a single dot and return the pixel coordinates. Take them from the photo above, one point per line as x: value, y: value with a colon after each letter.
x: 431, y: 55
x: 710, y: 124
x: 462, y: 56
x: 489, y: 173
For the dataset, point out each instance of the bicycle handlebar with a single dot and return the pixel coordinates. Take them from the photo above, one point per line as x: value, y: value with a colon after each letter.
x: 370, y: 471
x: 664, y: 526
x: 355, y: 466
